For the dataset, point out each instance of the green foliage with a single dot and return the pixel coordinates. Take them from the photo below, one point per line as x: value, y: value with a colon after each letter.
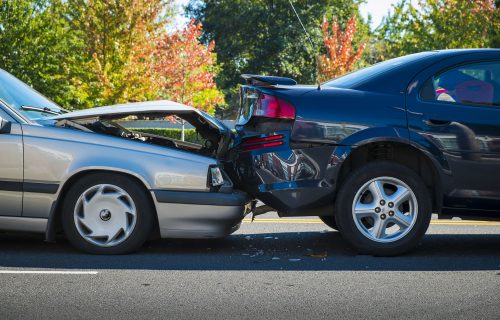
x: 495, y: 31
x: 39, y: 47
x: 86, y: 53
x: 119, y: 37
x: 83, y: 53
x: 438, y: 24
x: 190, y: 135
x: 264, y: 36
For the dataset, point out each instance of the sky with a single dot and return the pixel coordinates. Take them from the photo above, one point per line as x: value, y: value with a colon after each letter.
x: 377, y: 8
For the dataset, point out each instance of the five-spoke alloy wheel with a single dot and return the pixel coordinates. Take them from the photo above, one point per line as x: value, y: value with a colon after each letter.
x: 383, y: 208
x: 107, y: 214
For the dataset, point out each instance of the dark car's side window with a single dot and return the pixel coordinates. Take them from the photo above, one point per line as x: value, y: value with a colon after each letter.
x: 471, y: 84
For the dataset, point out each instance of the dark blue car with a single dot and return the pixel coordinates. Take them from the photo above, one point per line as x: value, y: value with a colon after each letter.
x: 374, y: 153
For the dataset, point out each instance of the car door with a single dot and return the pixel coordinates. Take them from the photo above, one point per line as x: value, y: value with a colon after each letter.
x: 457, y: 109
x: 11, y: 166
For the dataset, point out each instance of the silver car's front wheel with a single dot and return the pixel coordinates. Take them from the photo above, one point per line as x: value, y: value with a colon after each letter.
x: 105, y: 215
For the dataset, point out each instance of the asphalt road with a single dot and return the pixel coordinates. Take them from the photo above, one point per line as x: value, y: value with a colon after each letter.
x: 271, y: 269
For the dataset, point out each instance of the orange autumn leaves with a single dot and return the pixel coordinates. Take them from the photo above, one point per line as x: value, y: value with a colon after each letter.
x: 187, y: 68
x: 340, y: 56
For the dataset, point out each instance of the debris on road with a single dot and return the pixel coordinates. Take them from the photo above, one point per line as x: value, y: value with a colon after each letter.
x: 317, y: 255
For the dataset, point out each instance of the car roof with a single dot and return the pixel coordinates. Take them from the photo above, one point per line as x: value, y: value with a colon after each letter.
x: 394, y: 75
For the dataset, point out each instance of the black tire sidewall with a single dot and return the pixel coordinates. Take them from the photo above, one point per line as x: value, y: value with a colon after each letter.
x: 345, y: 198
x: 142, y: 203
x: 329, y: 221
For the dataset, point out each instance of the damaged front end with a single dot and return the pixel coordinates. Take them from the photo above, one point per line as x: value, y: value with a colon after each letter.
x: 213, y: 138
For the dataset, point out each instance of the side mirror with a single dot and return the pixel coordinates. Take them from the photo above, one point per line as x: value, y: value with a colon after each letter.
x: 5, y: 126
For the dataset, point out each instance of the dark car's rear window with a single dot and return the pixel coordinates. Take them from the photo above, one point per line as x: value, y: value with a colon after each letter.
x: 355, y: 78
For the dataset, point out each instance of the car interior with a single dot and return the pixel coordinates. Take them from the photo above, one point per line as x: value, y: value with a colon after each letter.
x: 473, y: 84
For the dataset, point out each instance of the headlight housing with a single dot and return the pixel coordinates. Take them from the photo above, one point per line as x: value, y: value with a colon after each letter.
x: 216, y: 178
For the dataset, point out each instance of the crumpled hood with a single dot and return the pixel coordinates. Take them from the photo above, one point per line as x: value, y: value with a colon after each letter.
x: 136, y: 108
x: 128, y: 109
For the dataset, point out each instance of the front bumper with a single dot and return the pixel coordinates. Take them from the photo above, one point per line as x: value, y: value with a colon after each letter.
x: 200, y: 215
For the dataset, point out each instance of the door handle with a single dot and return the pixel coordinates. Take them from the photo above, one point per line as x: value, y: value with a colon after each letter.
x: 436, y: 122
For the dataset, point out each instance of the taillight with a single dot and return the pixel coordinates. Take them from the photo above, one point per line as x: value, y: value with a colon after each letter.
x: 273, y: 107
x: 264, y: 142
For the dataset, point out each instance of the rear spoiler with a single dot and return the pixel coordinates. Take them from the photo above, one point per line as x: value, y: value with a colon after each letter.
x: 266, y: 81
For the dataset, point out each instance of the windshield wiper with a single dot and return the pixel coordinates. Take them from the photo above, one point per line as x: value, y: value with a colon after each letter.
x: 41, y: 109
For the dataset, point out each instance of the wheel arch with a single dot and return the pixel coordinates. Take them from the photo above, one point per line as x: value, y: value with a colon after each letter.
x: 55, y: 215
x: 412, y: 156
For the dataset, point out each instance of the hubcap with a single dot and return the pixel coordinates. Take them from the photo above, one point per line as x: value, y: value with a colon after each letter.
x: 105, y: 215
x: 385, y: 209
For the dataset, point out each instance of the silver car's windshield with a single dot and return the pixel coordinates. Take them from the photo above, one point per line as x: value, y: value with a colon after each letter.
x: 25, y: 99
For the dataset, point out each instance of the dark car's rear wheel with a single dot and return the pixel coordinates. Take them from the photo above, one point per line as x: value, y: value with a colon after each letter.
x: 107, y: 214
x: 383, y: 209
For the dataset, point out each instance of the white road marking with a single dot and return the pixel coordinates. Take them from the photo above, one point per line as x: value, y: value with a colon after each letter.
x: 48, y: 272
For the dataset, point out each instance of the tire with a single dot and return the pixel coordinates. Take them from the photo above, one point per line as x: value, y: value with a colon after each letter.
x: 329, y: 221
x: 371, y: 226
x: 117, y: 217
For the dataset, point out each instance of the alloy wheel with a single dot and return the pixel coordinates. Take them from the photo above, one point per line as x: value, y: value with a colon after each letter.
x: 385, y: 209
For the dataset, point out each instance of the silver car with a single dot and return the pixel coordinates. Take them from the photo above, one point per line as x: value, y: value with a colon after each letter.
x: 107, y: 187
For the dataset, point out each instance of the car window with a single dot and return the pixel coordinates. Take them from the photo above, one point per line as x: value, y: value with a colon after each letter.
x: 471, y: 84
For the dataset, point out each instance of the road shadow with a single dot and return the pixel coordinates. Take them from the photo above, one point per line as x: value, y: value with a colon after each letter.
x: 289, y: 251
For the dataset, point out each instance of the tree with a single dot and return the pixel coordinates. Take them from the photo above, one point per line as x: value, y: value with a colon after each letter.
x: 83, y: 53
x: 439, y: 24
x: 495, y: 31
x: 188, y: 68
x: 120, y: 37
x: 264, y: 36
x: 39, y: 47
x: 339, y: 57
